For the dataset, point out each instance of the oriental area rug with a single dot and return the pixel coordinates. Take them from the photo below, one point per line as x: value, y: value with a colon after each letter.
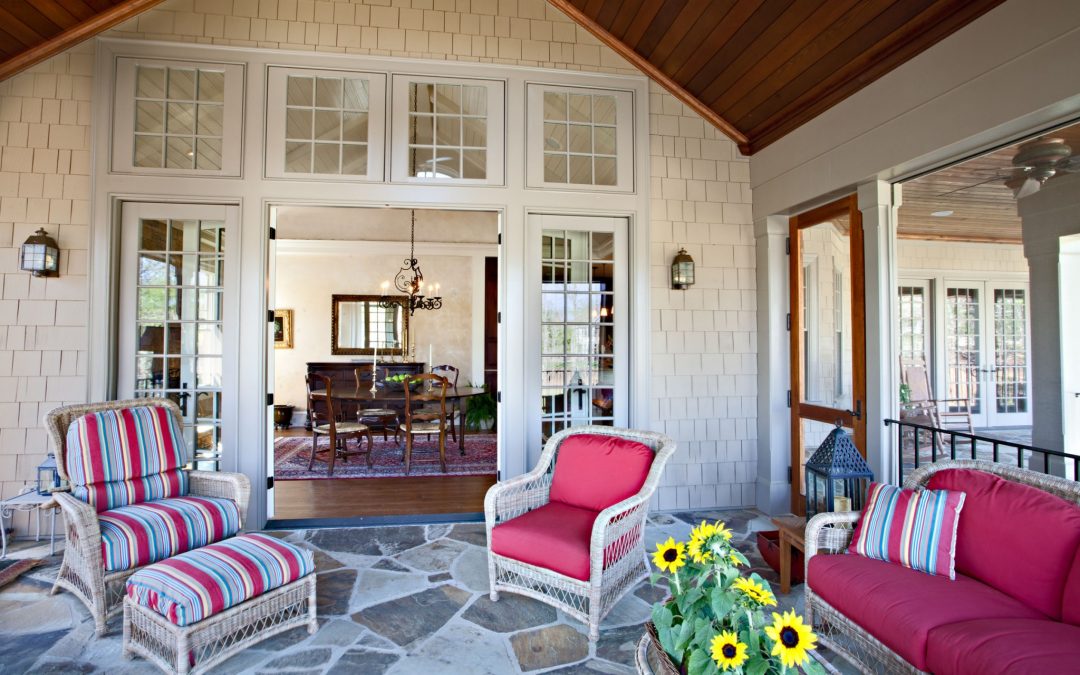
x: 291, y: 456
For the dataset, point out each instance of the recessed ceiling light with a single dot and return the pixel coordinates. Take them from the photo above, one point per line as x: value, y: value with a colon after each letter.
x: 941, y: 214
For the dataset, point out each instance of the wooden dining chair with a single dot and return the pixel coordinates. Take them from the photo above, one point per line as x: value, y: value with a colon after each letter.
x: 324, y: 422
x: 419, y: 421
x: 450, y: 373
x: 384, y: 418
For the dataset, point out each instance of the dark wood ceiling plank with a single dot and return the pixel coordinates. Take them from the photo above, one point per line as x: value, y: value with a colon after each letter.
x: 641, y: 22
x: 650, y: 70
x: 718, y: 9
x: 31, y: 17
x: 622, y: 13
x: 21, y: 32
x: 753, y: 66
x: 688, y: 18
x: 783, y: 13
x: 913, y: 37
x: 661, y: 25
x: 590, y: 7
x: 56, y: 13
x: 119, y: 12
x: 9, y: 44
x: 717, y: 38
x: 102, y: 5
x: 849, y: 24
x: 78, y: 9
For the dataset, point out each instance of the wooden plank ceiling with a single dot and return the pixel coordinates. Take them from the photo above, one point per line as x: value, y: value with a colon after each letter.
x: 758, y: 69
x: 33, y: 30
x: 983, y: 206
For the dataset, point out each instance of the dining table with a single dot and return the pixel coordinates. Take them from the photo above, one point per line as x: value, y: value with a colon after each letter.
x: 364, y: 395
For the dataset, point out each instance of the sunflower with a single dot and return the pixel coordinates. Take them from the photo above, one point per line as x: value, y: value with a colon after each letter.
x: 727, y: 651
x: 669, y: 556
x: 735, y: 560
x: 791, y: 637
x: 698, y: 551
x: 755, y: 591
x: 703, y: 531
x: 723, y: 531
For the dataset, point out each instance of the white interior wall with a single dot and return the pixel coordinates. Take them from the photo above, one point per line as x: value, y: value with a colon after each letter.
x: 915, y: 256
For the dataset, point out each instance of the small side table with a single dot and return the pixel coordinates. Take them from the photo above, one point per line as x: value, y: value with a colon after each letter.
x: 792, y: 534
x: 27, y: 501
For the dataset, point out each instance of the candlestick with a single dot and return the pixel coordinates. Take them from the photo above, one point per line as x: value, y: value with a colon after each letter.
x: 430, y: 362
x: 374, y: 369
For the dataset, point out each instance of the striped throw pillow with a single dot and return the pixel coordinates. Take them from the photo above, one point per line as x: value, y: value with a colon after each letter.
x: 914, y: 528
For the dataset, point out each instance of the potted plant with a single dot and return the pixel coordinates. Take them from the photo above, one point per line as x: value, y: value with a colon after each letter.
x: 480, y: 411
x: 715, y: 619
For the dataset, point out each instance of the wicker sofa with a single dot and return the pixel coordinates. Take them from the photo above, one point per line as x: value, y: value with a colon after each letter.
x: 95, y: 529
x: 1015, y: 603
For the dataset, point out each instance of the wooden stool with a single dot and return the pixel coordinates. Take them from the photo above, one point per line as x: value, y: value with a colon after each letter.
x: 792, y: 529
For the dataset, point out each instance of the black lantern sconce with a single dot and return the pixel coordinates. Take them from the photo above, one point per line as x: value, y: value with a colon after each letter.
x: 837, y: 476
x: 682, y: 271
x: 48, y: 477
x: 40, y: 255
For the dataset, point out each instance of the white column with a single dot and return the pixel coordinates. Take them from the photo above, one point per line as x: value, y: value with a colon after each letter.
x: 774, y: 357
x: 878, y: 202
x: 1048, y: 215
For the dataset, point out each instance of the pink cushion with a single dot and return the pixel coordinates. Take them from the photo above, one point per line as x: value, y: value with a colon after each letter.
x: 593, y: 471
x: 916, y: 528
x: 1014, y: 646
x: 1070, y: 601
x: 900, y: 606
x: 1016, y: 538
x: 555, y: 536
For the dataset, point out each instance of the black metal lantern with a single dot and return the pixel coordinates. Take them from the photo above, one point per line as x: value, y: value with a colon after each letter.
x: 682, y: 270
x: 836, y: 476
x: 48, y: 478
x: 40, y: 255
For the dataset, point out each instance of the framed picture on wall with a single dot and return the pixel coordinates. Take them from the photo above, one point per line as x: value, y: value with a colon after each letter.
x: 283, y: 336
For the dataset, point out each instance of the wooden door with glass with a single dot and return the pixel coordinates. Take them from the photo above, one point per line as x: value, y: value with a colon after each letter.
x: 828, y: 332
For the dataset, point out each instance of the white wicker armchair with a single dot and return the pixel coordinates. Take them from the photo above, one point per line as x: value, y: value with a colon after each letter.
x: 617, y: 556
x: 831, y: 533
x: 82, y: 571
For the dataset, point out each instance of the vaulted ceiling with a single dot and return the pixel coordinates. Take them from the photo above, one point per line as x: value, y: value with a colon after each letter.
x: 758, y: 69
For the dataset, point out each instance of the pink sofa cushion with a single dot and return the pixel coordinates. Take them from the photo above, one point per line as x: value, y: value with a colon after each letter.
x: 916, y: 528
x: 593, y: 471
x: 900, y: 606
x: 555, y: 536
x: 1014, y: 646
x: 1070, y: 601
x: 1014, y: 537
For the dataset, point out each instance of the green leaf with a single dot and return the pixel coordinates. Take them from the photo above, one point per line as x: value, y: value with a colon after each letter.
x: 812, y: 667
x: 721, y: 602
x: 700, y: 663
x: 756, y: 665
x: 682, y: 637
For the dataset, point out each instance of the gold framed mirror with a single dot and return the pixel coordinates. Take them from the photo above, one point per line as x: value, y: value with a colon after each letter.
x: 359, y: 324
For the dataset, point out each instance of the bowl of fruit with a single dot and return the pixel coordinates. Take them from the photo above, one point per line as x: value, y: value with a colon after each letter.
x: 398, y: 382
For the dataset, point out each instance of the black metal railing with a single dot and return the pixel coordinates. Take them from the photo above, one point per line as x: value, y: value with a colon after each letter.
x: 920, y: 444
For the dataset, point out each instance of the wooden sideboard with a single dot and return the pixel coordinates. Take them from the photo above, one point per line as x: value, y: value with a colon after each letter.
x: 342, y: 375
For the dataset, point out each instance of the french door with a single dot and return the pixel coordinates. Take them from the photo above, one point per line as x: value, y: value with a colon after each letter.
x: 827, y: 321
x: 579, y: 309
x: 173, y: 333
x: 986, y: 365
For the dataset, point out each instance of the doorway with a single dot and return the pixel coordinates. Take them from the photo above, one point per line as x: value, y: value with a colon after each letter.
x: 828, y: 343
x: 337, y: 315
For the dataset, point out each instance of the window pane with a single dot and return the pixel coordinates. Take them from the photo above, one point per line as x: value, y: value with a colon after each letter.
x: 554, y: 168
x: 209, y: 154
x: 298, y: 123
x: 580, y: 138
x: 328, y: 92
x: 421, y: 160
x: 448, y: 99
x: 580, y: 108
x: 210, y: 120
x: 448, y: 131
x: 554, y: 137
x: 356, y: 94
x: 354, y: 159
x: 474, y: 132
x: 300, y: 91
x: 326, y: 157
x: 181, y: 84
x: 474, y: 164
x: 604, y: 171
x: 422, y: 131
x: 149, y: 116
x: 604, y: 140
x: 554, y: 105
x: 181, y: 118
x: 211, y: 86
x: 179, y: 153
x: 355, y: 127
x: 298, y: 157
x: 604, y: 109
x: 150, y: 82
x: 473, y: 100
x: 327, y: 125
x: 421, y: 95
x: 448, y: 163
x: 148, y: 151
x: 580, y: 170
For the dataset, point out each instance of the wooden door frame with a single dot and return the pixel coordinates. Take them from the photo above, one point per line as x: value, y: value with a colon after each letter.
x: 846, y: 206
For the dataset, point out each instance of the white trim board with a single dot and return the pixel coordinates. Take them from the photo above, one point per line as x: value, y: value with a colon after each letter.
x: 387, y: 248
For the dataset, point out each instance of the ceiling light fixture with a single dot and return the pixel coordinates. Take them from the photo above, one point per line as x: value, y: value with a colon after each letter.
x: 410, y: 281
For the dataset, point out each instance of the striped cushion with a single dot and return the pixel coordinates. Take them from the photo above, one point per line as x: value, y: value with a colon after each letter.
x: 127, y: 456
x: 915, y: 528
x: 137, y: 535
x: 198, y: 584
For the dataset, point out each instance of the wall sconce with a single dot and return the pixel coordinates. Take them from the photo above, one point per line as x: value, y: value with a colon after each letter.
x: 682, y: 271
x: 40, y: 255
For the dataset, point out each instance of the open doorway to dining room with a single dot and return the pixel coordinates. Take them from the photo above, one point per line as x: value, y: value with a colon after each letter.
x: 352, y: 437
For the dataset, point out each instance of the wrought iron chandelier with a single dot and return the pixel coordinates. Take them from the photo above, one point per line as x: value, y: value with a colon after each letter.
x: 410, y: 281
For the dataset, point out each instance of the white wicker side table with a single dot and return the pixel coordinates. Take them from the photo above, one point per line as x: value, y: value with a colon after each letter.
x: 27, y: 501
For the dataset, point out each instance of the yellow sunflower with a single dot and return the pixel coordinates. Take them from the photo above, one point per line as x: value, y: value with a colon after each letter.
x: 735, y: 560
x: 703, y: 531
x: 727, y: 651
x: 792, y: 638
x: 669, y: 556
x: 755, y: 591
x: 723, y: 531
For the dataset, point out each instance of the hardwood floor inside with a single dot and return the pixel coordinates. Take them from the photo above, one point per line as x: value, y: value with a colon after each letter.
x: 350, y: 498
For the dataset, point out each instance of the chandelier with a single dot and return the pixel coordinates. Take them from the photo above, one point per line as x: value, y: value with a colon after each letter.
x: 410, y: 281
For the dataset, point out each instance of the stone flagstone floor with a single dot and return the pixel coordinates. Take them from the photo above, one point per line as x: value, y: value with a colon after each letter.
x: 398, y: 600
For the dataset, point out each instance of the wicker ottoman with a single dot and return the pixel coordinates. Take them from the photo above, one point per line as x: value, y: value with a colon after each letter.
x: 194, y: 610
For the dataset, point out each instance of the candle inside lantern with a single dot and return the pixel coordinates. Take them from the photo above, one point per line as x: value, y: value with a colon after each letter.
x: 385, y: 287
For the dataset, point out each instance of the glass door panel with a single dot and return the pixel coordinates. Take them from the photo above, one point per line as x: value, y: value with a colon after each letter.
x: 963, y: 350
x: 1011, y: 393
x: 828, y: 348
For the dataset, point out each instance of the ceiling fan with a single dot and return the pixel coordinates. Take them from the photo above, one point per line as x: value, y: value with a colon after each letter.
x: 1038, y: 161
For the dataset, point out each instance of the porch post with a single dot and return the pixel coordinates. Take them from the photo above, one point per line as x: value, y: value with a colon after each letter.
x: 878, y: 202
x: 1048, y: 215
x: 773, y: 414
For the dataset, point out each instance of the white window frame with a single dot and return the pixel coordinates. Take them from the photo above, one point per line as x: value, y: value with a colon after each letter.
x: 123, y: 131
x: 274, y: 157
x: 399, y: 130
x: 624, y: 138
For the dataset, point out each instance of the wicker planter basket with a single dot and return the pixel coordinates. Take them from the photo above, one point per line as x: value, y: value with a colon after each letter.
x: 651, y: 659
